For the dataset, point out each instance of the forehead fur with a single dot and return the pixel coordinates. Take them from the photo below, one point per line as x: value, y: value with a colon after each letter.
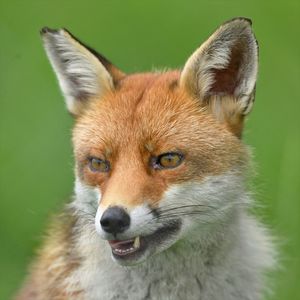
x: 150, y: 112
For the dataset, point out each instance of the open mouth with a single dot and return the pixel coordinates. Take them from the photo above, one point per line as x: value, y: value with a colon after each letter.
x: 134, y: 248
x: 125, y: 247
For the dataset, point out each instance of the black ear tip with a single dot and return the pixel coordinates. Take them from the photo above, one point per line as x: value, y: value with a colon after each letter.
x: 246, y: 20
x: 46, y: 30
x: 240, y: 19
x: 65, y: 29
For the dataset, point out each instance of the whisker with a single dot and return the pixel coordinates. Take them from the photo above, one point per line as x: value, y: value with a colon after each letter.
x: 164, y: 209
x: 185, y: 207
x: 180, y: 214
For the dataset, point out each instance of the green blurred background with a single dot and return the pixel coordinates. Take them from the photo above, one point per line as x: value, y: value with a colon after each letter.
x: 35, y: 150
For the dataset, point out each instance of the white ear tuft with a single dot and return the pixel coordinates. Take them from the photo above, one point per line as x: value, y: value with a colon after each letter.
x: 225, y: 65
x: 80, y: 72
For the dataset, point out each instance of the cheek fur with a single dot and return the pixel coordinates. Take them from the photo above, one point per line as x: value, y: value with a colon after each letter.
x: 87, y: 197
x: 211, y: 198
x: 99, y: 214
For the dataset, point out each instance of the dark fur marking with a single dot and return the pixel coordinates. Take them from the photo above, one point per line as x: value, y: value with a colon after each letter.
x: 199, y: 283
x: 173, y: 84
x: 48, y: 30
x: 227, y: 80
x: 148, y: 295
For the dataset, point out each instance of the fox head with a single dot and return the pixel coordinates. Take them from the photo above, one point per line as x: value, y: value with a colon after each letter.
x: 159, y: 156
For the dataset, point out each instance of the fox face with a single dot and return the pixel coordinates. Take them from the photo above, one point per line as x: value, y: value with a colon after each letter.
x: 159, y: 157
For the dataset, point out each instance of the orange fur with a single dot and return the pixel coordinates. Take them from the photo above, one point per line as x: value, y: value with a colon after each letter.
x: 147, y: 115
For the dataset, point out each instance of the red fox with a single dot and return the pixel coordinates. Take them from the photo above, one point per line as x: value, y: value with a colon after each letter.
x: 160, y: 207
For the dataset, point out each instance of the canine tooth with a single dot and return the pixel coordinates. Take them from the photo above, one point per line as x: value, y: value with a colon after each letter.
x: 137, y: 242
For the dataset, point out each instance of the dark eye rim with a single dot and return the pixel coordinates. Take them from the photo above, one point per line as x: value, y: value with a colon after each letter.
x: 107, y: 163
x: 154, y: 161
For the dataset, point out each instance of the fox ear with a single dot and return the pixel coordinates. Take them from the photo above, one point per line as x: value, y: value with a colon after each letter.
x: 82, y: 72
x: 222, y: 72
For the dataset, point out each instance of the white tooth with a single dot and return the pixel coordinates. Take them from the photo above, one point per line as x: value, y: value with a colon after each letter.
x: 137, y: 242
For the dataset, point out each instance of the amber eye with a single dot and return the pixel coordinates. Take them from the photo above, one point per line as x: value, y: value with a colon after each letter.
x: 99, y: 165
x: 168, y: 160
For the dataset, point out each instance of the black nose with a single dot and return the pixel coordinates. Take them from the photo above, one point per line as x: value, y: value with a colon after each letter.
x: 115, y: 220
